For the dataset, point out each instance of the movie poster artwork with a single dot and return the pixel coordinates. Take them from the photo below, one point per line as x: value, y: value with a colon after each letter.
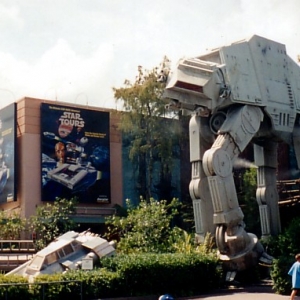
x: 75, y: 154
x: 7, y: 153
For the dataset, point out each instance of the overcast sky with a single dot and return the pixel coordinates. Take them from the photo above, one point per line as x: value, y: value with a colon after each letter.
x: 77, y: 50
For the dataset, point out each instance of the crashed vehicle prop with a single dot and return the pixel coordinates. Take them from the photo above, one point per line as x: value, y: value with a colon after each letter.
x: 68, y: 252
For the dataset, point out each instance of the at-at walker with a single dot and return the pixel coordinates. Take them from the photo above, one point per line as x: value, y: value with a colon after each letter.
x: 245, y: 92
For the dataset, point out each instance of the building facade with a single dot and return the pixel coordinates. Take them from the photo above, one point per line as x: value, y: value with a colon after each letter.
x: 36, y: 174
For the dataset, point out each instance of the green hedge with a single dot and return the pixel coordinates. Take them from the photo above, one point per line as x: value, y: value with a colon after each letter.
x: 178, y: 274
x: 14, y: 288
x: 126, y: 276
x: 284, y: 247
x: 281, y: 280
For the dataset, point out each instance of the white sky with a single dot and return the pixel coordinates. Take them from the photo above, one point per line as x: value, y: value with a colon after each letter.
x: 77, y: 50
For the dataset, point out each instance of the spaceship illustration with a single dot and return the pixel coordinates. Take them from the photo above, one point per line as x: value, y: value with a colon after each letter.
x: 73, y: 176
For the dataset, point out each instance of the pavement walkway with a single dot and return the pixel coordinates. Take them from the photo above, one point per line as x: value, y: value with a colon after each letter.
x: 245, y: 293
x: 260, y: 292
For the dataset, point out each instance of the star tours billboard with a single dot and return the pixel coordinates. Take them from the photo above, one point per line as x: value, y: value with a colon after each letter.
x: 75, y: 154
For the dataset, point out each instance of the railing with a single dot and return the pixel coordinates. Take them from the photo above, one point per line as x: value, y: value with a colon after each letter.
x: 289, y: 191
x: 17, y: 246
x: 14, y: 253
x: 9, y: 262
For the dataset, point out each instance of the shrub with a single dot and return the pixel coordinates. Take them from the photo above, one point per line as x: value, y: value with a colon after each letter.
x: 14, y: 288
x: 279, y: 273
x: 124, y: 276
x: 145, y: 228
x: 178, y: 273
x: 52, y: 220
x: 283, y: 248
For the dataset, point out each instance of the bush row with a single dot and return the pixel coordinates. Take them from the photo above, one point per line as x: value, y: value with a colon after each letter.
x: 284, y: 247
x: 281, y: 280
x: 123, y: 276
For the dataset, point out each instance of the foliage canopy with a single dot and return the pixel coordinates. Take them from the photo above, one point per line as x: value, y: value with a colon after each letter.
x: 52, y: 220
x: 151, y: 136
x: 150, y: 228
x: 12, y: 225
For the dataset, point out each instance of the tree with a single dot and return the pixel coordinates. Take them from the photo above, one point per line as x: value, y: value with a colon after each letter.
x: 12, y: 225
x: 150, y: 228
x: 146, y: 228
x: 151, y: 136
x: 248, y: 200
x: 52, y: 220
